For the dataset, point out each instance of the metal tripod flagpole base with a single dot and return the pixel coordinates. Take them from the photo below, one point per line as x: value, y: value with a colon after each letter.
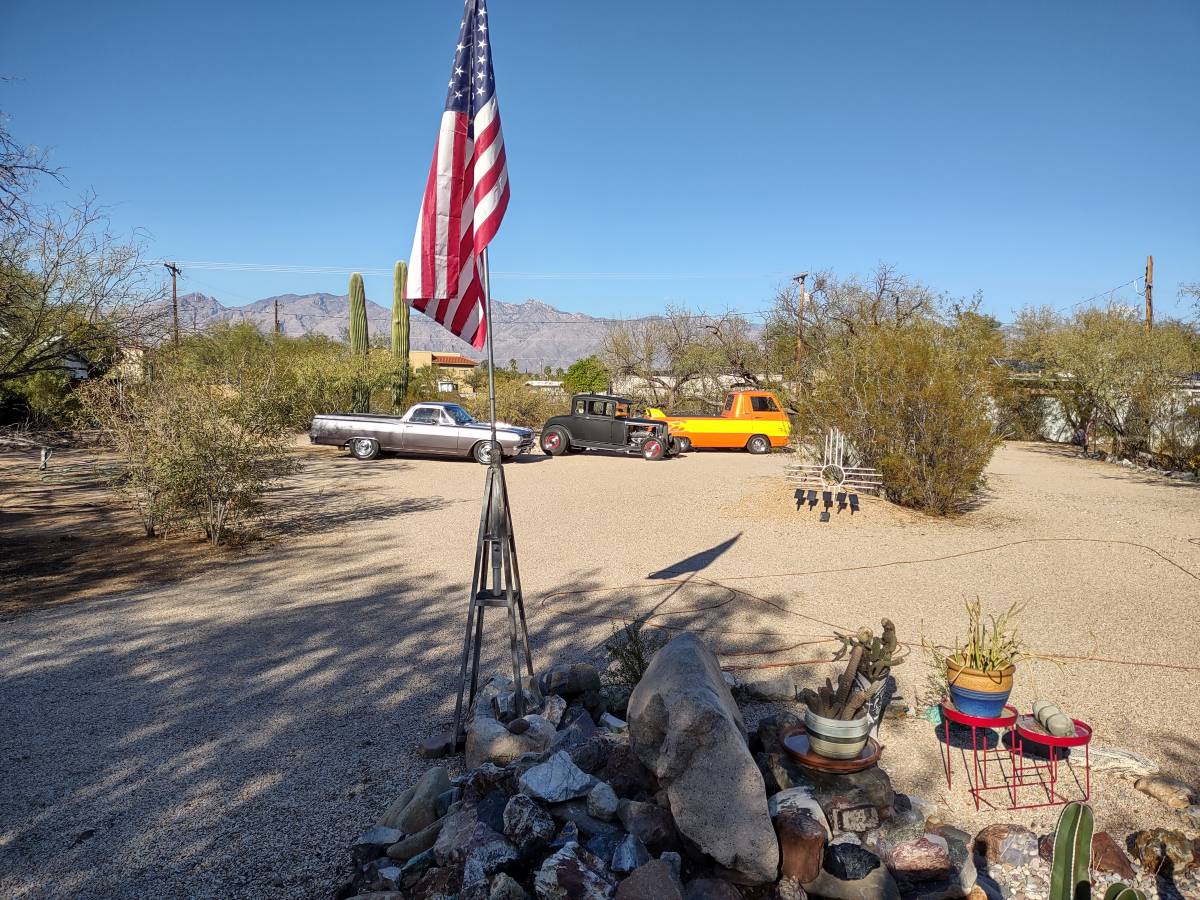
x: 495, y: 583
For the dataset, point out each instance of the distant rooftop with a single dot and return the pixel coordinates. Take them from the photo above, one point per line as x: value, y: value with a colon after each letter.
x: 454, y: 359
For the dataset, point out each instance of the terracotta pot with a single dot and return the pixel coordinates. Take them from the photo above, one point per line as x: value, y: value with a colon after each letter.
x: 977, y: 693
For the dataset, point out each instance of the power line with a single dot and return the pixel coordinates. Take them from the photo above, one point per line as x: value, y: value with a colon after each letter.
x: 1107, y: 293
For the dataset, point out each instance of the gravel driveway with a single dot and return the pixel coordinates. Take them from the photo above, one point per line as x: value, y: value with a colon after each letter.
x: 227, y: 735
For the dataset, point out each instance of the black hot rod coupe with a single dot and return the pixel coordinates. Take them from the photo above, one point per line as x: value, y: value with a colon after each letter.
x: 602, y: 422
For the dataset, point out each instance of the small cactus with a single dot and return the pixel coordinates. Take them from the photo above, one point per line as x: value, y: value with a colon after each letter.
x: 869, y: 656
x: 359, y: 344
x: 1070, y: 870
x: 1121, y: 891
x: 400, y: 335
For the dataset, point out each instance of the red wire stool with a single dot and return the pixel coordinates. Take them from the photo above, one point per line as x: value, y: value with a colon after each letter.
x: 1031, y: 771
x: 980, y: 756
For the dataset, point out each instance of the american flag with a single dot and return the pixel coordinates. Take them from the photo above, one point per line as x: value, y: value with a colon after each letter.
x: 467, y: 190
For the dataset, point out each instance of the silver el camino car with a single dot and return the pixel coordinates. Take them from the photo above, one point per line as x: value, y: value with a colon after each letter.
x: 427, y: 428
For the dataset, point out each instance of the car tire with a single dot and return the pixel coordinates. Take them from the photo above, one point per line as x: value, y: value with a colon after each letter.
x: 652, y: 448
x: 482, y: 451
x: 684, y: 444
x: 364, y: 448
x: 759, y: 444
x: 555, y: 442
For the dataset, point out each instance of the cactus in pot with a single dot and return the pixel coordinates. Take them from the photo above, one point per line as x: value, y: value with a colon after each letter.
x: 400, y: 335
x: 359, y: 345
x: 836, y: 718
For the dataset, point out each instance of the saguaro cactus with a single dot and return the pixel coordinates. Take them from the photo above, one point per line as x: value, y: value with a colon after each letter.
x: 1070, y: 871
x: 359, y: 345
x: 400, y: 335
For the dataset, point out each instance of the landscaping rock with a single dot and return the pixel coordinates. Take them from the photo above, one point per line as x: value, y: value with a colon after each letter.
x: 1174, y: 793
x: 556, y: 780
x: 553, y: 709
x: 466, y: 837
x: 991, y: 841
x: 768, y: 687
x: 414, y: 844
x: 576, y: 811
x: 504, y: 703
x: 570, y: 681
x: 573, y: 874
x: 1120, y: 762
x: 675, y: 861
x: 652, y: 824
x: 421, y: 810
x: 922, y: 878
x: 849, y: 862
x: 418, y: 864
x: 1161, y: 850
x: 438, y: 884
x: 629, y: 855
x: 526, y: 823
x: 604, y: 845
x: 801, y: 843
x: 602, y: 802
x: 925, y: 859
x: 686, y: 728
x: 801, y: 798
x: 490, y: 741
x: 624, y: 772
x: 372, y: 843
x: 710, y: 889
x: 858, y: 801
x: 1107, y: 856
x: 569, y: 835
x: 613, y: 724
x: 505, y: 887
x: 446, y: 799
x: 655, y: 880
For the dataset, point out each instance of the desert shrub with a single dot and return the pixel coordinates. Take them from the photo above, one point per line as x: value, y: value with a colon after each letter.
x: 1021, y: 415
x: 516, y: 403
x: 916, y: 400
x: 630, y: 650
x: 200, y: 443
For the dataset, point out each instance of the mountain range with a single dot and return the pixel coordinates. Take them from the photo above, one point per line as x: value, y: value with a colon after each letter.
x: 533, y: 333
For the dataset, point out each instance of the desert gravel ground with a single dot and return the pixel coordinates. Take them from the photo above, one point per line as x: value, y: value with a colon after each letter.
x: 226, y: 734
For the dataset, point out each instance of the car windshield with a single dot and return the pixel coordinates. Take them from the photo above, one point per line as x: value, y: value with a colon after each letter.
x: 459, y: 415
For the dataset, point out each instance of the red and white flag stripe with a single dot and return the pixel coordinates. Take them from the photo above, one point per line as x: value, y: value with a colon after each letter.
x: 466, y: 193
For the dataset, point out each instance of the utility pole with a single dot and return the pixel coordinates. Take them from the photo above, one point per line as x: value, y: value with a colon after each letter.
x: 277, y: 315
x: 799, y: 279
x: 174, y: 270
x: 1149, y: 292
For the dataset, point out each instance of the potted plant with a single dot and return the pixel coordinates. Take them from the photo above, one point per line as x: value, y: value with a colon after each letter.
x: 979, y: 672
x: 839, y: 720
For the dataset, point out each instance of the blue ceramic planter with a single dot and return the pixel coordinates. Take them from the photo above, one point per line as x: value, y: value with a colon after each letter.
x: 984, y: 704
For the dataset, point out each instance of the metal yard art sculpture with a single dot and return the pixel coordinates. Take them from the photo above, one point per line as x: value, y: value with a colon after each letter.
x: 831, y: 481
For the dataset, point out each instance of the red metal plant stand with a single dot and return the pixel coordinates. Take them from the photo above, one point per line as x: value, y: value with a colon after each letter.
x: 980, y: 756
x: 1032, y: 771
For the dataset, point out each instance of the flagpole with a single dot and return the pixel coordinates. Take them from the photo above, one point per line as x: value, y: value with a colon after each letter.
x: 496, y: 458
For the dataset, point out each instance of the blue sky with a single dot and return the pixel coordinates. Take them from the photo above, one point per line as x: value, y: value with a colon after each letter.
x: 1035, y: 152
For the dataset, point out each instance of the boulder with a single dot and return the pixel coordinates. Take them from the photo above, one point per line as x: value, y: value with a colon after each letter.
x: 686, y: 728
x: 526, y: 823
x: 556, y: 780
x: 439, y: 883
x: 622, y: 769
x: 655, y: 880
x: 570, y: 680
x: 576, y: 727
x: 1107, y: 856
x: 652, y: 824
x: 372, y: 843
x: 602, y: 802
x: 466, y: 839
x: 576, y: 811
x: 801, y: 843
x: 573, y: 874
x: 926, y: 874
x: 772, y: 685
x: 798, y: 798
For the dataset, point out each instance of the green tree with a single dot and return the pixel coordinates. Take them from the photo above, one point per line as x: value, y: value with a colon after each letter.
x: 586, y: 376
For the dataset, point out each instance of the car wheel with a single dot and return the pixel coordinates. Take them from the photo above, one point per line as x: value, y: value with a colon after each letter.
x: 684, y: 444
x: 555, y: 442
x: 482, y: 452
x: 758, y: 444
x: 364, y: 448
x: 652, y: 448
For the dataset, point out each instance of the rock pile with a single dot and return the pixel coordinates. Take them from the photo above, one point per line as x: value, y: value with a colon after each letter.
x: 566, y: 802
